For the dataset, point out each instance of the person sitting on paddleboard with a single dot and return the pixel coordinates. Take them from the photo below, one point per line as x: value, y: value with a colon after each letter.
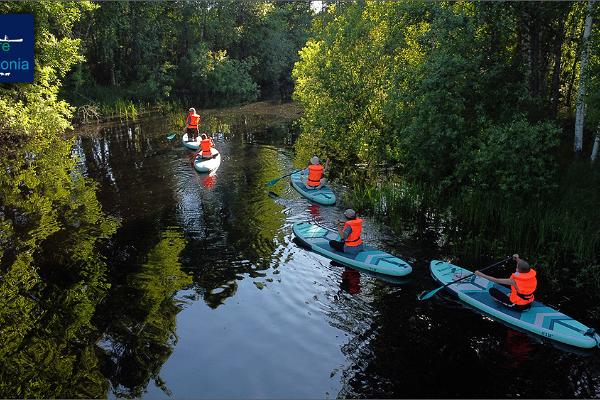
x: 349, y: 232
x: 316, y: 174
x: 522, y: 285
x: 191, y: 125
x: 205, y: 146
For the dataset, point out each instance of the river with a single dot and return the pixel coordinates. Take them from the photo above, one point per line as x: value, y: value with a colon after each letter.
x: 211, y: 298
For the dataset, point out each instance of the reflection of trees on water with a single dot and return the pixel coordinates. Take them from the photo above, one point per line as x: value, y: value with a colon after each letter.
x: 241, y: 224
x: 141, y: 321
x: 253, y: 129
x: 54, y: 280
x: 138, y: 320
x: 52, y: 277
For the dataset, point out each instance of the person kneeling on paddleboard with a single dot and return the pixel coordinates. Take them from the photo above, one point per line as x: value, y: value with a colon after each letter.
x: 349, y: 232
x: 205, y: 146
x: 316, y: 174
x: 191, y: 125
x: 522, y: 285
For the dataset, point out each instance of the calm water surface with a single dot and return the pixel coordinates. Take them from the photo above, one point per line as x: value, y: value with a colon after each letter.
x: 211, y: 298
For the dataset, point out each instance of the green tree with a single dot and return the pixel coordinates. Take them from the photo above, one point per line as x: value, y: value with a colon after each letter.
x: 52, y: 277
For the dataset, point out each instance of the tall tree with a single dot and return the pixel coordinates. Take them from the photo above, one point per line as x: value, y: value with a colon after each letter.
x: 580, y: 113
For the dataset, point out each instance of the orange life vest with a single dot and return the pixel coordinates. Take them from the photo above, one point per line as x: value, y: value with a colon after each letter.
x: 315, y: 173
x: 192, y: 121
x: 527, y: 283
x: 205, y: 145
x: 353, y: 238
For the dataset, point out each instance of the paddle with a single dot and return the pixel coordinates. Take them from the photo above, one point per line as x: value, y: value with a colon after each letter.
x: 171, y: 136
x: 434, y: 291
x: 274, y: 181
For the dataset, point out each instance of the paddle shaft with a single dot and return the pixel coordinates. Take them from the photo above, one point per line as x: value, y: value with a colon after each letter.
x: 323, y: 226
x: 434, y: 291
x: 482, y: 269
x: 274, y: 181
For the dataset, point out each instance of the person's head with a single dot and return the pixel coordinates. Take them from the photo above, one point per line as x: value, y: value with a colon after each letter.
x: 192, y: 110
x: 523, y: 266
x: 314, y: 160
x: 350, y: 214
x: 203, y: 136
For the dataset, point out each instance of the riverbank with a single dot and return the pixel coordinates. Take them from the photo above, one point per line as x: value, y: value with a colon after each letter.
x: 272, y: 112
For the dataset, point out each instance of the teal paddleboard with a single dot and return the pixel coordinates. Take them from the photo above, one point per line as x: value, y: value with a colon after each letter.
x: 317, y: 239
x: 193, y: 145
x: 539, y: 319
x: 323, y: 195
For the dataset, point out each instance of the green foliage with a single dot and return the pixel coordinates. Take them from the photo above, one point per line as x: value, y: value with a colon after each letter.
x: 516, y: 160
x: 459, y: 101
x: 593, y: 91
x: 52, y: 277
x: 219, y: 78
x: 430, y: 87
x: 213, y: 53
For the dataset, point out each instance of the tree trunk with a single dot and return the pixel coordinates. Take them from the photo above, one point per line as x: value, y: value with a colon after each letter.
x: 204, y: 12
x: 580, y: 114
x: 596, y: 144
x: 534, y: 55
x: 555, y: 91
x: 572, y: 78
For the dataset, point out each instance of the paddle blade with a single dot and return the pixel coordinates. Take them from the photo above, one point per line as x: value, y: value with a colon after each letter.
x: 171, y: 136
x: 428, y: 295
x: 273, y: 182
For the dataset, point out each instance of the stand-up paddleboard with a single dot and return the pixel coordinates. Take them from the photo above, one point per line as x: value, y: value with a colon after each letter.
x: 323, y: 195
x: 539, y: 319
x: 317, y: 239
x: 194, y: 145
x: 202, y: 164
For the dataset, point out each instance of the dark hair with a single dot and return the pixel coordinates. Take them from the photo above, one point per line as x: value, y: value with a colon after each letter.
x: 523, y: 266
x: 203, y: 136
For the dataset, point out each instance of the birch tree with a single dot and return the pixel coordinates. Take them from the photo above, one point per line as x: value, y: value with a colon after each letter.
x: 596, y: 144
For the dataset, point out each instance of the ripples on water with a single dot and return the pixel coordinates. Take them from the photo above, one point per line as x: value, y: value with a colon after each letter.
x: 242, y: 311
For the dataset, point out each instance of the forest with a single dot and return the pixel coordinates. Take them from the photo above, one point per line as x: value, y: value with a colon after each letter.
x: 483, y: 116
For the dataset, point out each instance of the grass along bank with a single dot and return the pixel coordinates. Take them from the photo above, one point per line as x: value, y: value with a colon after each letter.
x: 560, y: 232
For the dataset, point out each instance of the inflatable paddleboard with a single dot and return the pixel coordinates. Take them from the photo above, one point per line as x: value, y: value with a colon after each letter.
x: 539, y: 319
x: 323, y: 195
x: 370, y: 259
x: 208, y: 164
x: 194, y: 145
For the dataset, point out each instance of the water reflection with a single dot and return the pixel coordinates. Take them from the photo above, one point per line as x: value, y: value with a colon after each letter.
x: 350, y: 281
x: 203, y: 272
x: 52, y: 277
x: 141, y: 333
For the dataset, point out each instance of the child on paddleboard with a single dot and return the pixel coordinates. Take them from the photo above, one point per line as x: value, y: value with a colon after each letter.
x: 349, y: 231
x: 191, y: 125
x: 522, y: 282
x: 316, y: 173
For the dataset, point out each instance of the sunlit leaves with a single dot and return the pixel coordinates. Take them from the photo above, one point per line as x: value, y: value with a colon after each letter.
x: 417, y: 85
x: 51, y: 225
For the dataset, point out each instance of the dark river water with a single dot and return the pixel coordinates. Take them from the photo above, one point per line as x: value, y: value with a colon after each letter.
x: 233, y: 308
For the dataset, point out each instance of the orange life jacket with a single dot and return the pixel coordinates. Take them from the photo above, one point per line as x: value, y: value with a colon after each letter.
x: 205, y: 145
x: 192, y: 120
x: 353, y: 238
x: 527, y: 283
x: 315, y: 173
